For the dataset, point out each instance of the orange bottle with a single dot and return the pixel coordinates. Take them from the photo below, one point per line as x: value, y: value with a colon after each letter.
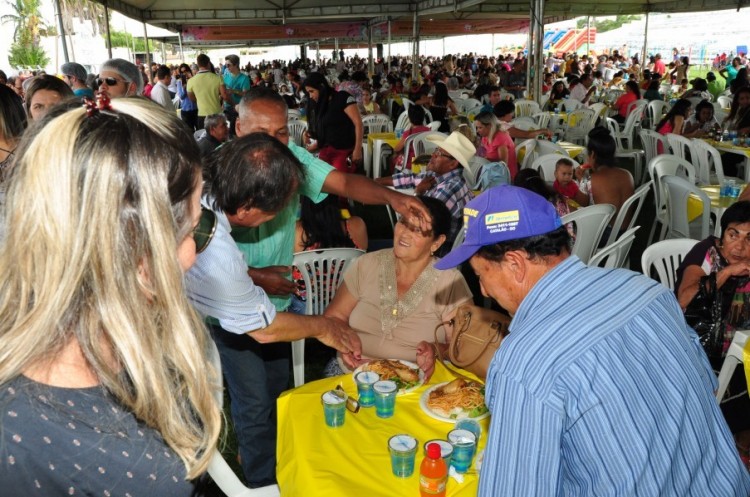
x: 433, y: 473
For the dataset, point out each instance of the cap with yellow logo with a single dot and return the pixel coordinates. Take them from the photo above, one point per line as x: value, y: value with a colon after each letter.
x: 500, y: 214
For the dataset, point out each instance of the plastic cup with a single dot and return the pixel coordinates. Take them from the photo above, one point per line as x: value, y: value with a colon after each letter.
x: 471, y: 425
x: 554, y: 138
x: 464, y: 445
x: 334, y: 409
x: 403, y: 449
x: 736, y: 190
x: 446, y: 449
x: 385, y: 398
x: 365, y: 380
x: 399, y: 132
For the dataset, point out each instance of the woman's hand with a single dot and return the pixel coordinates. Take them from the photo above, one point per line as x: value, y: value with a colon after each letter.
x: 353, y: 362
x: 426, y: 358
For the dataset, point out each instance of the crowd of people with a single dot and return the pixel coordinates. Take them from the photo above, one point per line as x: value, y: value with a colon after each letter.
x: 151, y: 215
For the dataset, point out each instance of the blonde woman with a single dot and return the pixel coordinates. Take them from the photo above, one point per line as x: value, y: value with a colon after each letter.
x: 497, y: 145
x: 104, y: 383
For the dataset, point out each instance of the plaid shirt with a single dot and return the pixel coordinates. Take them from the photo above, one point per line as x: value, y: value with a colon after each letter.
x: 449, y: 188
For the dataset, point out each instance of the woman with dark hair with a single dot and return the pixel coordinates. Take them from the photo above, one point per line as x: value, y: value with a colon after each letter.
x: 416, y: 119
x: 324, y: 225
x: 739, y: 112
x: 740, y: 81
x: 652, y: 91
x: 607, y: 183
x: 43, y: 93
x: 394, y: 298
x: 188, y: 108
x: 12, y: 126
x: 557, y: 93
x: 675, y: 118
x: 622, y: 105
x: 334, y: 121
x: 442, y: 107
x: 702, y: 121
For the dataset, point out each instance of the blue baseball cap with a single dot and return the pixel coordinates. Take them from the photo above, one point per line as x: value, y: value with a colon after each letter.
x: 500, y: 214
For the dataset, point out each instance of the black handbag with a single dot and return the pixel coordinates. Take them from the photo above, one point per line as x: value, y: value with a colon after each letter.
x: 704, y: 315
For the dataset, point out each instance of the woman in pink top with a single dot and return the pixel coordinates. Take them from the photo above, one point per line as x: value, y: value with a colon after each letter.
x: 497, y: 144
x: 632, y: 93
x: 673, y: 121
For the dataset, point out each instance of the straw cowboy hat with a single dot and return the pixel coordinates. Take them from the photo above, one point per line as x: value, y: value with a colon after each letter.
x: 457, y: 145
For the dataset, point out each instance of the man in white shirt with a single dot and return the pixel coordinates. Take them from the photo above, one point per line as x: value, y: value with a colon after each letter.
x: 160, y: 92
x: 583, y: 90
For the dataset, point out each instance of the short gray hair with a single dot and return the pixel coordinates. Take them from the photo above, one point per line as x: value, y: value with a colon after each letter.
x: 127, y: 70
x: 213, y: 120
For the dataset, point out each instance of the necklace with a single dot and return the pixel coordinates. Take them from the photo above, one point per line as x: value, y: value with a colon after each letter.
x: 392, y: 309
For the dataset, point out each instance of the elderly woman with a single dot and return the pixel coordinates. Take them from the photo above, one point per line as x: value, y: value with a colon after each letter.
x: 104, y: 381
x: 394, y: 298
x: 43, y: 93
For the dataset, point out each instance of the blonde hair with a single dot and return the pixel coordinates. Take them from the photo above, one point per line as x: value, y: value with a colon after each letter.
x: 489, y: 119
x: 96, y: 208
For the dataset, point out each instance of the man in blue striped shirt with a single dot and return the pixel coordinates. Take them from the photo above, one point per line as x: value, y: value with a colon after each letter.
x: 600, y: 389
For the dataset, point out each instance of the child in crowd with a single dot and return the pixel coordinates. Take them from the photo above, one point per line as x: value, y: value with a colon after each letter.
x: 564, y: 184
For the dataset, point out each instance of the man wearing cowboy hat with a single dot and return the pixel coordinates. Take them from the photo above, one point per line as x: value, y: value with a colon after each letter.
x: 443, y: 179
x: 610, y: 394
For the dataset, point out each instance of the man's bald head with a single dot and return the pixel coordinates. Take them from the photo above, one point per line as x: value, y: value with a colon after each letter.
x: 262, y: 110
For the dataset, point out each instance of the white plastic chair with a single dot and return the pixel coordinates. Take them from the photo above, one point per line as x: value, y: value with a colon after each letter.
x: 600, y: 110
x: 615, y: 255
x: 583, y: 120
x: 526, y: 108
x: 724, y: 101
x: 656, y: 110
x: 434, y: 125
x: 293, y: 115
x: 220, y: 472
x: 322, y: 271
x: 406, y: 103
x: 544, y: 147
x: 635, y: 154
x: 541, y: 119
x: 296, y: 129
x: 633, y: 121
x: 524, y: 123
x: 545, y: 164
x: 528, y: 157
x: 403, y: 120
x: 681, y: 147
x: 650, y: 140
x: 665, y: 257
x: 422, y: 145
x: 660, y: 166
x: 709, y: 168
x: 735, y: 356
x: 678, y: 191
x: 471, y: 173
x: 589, y: 223
x: 631, y: 206
x: 569, y: 105
x: 377, y: 123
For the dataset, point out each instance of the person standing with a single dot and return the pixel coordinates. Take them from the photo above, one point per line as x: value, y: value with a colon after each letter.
x: 188, y: 108
x: 119, y: 78
x: 236, y: 83
x: 160, y: 91
x: 206, y: 89
x: 607, y: 394
x: 75, y: 75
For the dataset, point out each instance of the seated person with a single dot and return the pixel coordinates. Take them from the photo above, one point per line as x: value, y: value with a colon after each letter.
x: 622, y: 105
x: 701, y: 121
x: 217, y: 132
x: 565, y: 185
x: 394, y: 298
x: 443, y: 178
x: 416, y: 118
x: 557, y: 94
x: 496, y: 144
x: 368, y: 106
x: 607, y: 183
x: 504, y: 111
x: 652, y: 92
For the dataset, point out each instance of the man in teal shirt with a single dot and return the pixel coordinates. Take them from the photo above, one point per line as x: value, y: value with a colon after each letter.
x: 255, y: 373
x: 236, y: 83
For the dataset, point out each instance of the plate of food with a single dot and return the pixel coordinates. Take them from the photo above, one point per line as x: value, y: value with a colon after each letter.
x: 407, y: 375
x: 454, y: 400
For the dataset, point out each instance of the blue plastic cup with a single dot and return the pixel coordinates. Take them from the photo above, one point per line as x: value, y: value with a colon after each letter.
x: 334, y: 409
x: 403, y: 450
x: 399, y: 132
x: 446, y: 450
x: 385, y: 398
x: 464, y: 445
x: 365, y: 380
x: 471, y: 425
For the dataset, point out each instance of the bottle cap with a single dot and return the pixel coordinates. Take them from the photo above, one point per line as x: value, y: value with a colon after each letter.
x: 433, y: 451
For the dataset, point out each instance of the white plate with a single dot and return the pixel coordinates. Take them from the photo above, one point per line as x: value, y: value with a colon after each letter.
x: 405, y: 363
x: 440, y: 417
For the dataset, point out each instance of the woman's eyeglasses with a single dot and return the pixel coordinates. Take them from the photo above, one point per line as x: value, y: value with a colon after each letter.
x: 204, y: 231
x: 110, y: 81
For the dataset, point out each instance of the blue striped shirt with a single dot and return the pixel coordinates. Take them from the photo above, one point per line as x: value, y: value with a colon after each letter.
x: 601, y: 389
x: 219, y: 287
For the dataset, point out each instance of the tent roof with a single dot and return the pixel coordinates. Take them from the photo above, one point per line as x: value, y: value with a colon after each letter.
x: 283, y: 22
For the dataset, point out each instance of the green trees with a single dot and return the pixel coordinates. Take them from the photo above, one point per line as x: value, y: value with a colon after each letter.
x: 604, y: 25
x: 26, y: 51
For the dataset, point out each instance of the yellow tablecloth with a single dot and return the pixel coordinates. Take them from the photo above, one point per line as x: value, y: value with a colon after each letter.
x: 388, y: 138
x: 314, y: 460
x: 695, y: 206
x: 574, y: 150
x: 728, y: 147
